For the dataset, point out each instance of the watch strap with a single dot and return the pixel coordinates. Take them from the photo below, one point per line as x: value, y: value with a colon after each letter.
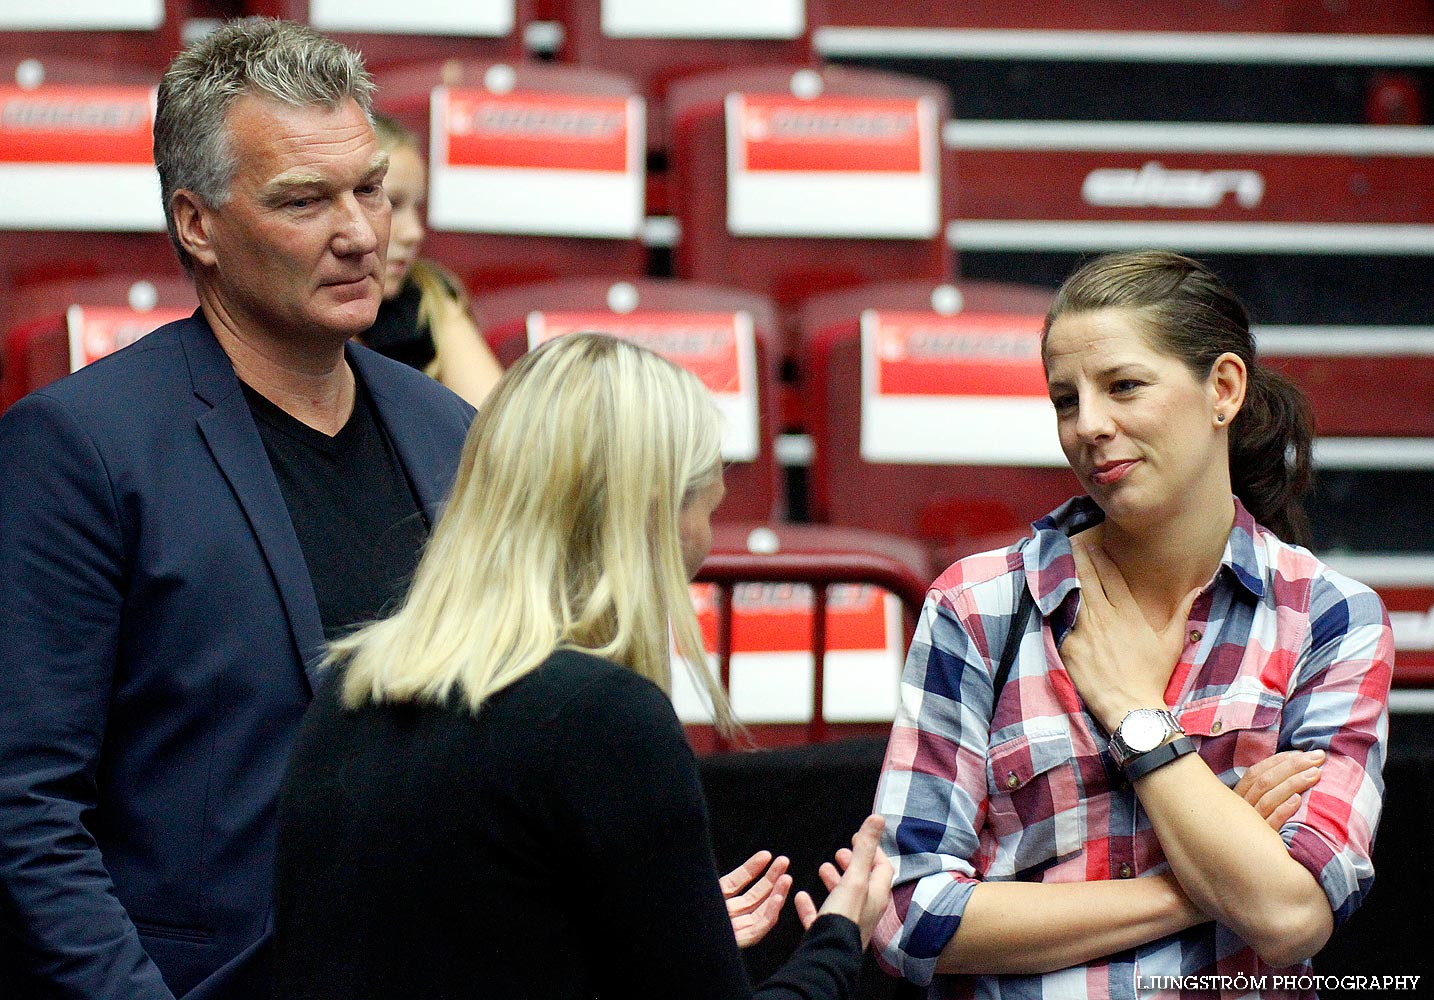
x: 1142, y: 764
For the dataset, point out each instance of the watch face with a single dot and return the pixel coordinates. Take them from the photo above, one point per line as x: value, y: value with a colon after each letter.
x: 1143, y: 730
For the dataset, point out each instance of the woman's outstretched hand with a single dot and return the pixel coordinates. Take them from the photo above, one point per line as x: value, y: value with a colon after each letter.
x: 755, y: 911
x: 862, y: 887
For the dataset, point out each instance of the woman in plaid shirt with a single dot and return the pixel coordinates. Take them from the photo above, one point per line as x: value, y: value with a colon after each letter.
x: 1177, y: 790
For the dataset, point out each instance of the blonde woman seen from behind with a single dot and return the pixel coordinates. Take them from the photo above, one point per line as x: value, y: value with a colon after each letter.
x: 493, y: 795
x: 424, y: 320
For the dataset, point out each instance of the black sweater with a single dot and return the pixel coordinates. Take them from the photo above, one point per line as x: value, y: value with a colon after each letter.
x: 396, y: 332
x: 554, y: 846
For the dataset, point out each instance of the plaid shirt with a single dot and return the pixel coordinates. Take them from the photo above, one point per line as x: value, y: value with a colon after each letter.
x: 1284, y: 653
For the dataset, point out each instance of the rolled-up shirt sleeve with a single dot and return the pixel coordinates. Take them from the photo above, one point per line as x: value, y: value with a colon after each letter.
x: 933, y: 791
x: 1339, y: 703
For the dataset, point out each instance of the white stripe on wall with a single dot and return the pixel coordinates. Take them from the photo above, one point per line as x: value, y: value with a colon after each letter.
x: 1128, y: 46
x: 1190, y: 137
x: 1345, y: 341
x: 1192, y: 237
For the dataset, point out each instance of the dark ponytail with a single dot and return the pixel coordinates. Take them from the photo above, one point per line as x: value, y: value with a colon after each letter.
x: 1191, y: 315
x: 1270, y: 444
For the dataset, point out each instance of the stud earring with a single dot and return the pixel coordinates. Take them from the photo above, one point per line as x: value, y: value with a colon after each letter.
x: 1219, y: 418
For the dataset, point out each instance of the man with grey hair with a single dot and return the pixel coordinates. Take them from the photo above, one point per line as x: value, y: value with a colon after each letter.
x: 183, y: 523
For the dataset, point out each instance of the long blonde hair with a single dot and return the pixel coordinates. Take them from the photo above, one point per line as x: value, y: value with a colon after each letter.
x: 562, y: 532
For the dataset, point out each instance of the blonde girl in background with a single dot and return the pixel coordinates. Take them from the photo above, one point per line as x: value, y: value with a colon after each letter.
x: 424, y: 320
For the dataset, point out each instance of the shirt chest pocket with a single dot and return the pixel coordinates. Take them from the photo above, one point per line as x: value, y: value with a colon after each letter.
x: 1034, y: 809
x: 1236, y: 731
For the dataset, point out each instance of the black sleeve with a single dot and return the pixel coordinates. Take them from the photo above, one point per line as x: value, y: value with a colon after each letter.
x: 630, y: 784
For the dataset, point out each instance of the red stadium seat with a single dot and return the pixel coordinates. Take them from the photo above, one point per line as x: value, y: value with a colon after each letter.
x: 927, y: 409
x: 537, y: 172
x: 1371, y: 389
x: 419, y: 30
x: 110, y: 33
x: 657, y: 43
x: 81, y: 194
x: 1343, y: 370
x: 806, y: 627
x: 1074, y: 186
x: 57, y: 327
x: 724, y: 335
x: 833, y: 179
x: 1308, y: 223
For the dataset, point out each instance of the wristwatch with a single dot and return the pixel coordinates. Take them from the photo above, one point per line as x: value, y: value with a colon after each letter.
x: 1140, y: 732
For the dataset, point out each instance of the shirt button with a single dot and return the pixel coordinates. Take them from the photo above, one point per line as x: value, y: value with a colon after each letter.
x: 1216, y: 726
x: 1125, y: 871
x: 1011, y: 780
x: 1196, y: 635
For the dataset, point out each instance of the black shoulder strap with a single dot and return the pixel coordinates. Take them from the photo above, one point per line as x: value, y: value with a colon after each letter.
x: 1024, y: 607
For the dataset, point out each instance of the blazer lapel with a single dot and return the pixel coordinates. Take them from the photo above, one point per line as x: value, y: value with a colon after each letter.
x: 430, y: 473
x: 229, y: 430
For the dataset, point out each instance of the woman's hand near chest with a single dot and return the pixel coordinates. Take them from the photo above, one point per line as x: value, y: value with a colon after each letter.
x: 1116, y: 657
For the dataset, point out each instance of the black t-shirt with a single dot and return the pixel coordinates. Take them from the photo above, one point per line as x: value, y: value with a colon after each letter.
x: 359, y: 525
x: 396, y: 332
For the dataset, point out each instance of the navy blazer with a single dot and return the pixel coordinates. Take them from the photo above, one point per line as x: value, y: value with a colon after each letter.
x: 158, y: 631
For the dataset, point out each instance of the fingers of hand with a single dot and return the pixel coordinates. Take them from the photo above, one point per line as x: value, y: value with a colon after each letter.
x: 1291, y: 788
x: 773, y: 904
x: 1096, y: 571
x: 1268, y: 774
x: 1264, y: 775
x: 881, y: 867
x: 744, y: 873
x: 1097, y: 610
x: 857, y: 862
x: 1085, y: 571
x: 1112, y: 581
x: 751, y: 923
x: 752, y: 927
x: 1173, y: 634
x: 806, y: 909
x: 851, y: 891
x: 879, y: 886
x: 1282, y: 813
x: 1182, y: 614
x: 760, y: 890
x: 1274, y: 785
x: 866, y: 839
